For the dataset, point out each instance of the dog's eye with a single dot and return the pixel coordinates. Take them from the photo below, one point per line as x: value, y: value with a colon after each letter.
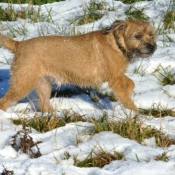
x: 151, y: 35
x: 138, y: 37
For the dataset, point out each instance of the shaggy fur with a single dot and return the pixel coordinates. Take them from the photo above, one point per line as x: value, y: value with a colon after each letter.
x: 84, y: 60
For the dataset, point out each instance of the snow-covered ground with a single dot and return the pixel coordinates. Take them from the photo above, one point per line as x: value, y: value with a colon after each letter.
x: 56, y: 142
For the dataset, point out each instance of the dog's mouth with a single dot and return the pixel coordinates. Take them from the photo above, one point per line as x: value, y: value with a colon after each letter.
x: 146, y: 50
x: 144, y: 55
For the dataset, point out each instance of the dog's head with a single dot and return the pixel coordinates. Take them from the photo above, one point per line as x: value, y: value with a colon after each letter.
x: 134, y: 37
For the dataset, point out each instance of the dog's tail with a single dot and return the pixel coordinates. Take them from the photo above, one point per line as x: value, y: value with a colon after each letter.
x: 9, y: 43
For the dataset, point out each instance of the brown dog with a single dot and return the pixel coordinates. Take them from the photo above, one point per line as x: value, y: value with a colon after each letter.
x: 84, y: 60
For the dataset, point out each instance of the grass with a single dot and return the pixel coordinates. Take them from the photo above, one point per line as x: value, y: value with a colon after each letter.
x: 33, y: 15
x: 140, y: 69
x: 8, y: 14
x: 167, y: 24
x: 165, y: 76
x: 169, y: 17
x: 132, y: 128
x: 134, y: 13
x: 33, y: 2
x: 162, y: 157
x: 20, y: 30
x: 39, y: 2
x: 131, y: 1
x: 99, y: 158
x: 46, y: 123
x: 91, y: 12
x: 157, y: 111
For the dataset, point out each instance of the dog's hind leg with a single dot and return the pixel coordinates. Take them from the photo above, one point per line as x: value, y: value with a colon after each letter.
x: 123, y: 92
x: 43, y: 90
x: 21, y: 84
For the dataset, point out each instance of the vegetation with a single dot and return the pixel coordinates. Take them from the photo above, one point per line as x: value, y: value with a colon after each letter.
x: 165, y: 76
x: 9, y: 14
x: 48, y: 122
x: 99, y: 158
x: 157, y: 111
x: 162, y: 157
x: 7, y: 172
x: 132, y: 128
x: 134, y: 13
x: 33, y: 2
x: 92, y: 12
x: 132, y: 1
x: 26, y: 143
x: 169, y: 17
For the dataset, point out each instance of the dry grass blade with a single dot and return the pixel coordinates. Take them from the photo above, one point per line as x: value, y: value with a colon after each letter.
x: 100, y: 159
x: 7, y: 172
x: 26, y: 143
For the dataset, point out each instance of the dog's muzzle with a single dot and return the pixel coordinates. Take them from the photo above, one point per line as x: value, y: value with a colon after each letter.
x: 147, y: 50
x: 151, y: 48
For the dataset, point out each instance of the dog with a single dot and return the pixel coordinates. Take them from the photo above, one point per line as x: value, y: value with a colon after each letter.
x: 85, y: 60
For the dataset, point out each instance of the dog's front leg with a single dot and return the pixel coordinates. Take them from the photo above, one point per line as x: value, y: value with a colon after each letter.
x: 129, y: 84
x: 123, y: 87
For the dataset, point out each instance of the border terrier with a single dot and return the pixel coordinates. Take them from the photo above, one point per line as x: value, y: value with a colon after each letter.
x: 84, y: 60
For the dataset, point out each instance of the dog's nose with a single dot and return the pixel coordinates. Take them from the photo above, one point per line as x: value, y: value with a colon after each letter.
x: 150, y: 47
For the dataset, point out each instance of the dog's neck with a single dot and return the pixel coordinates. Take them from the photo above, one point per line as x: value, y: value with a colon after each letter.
x: 119, y: 44
x: 128, y: 55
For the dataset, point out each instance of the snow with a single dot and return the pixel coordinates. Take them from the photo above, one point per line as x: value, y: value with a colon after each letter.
x: 56, y: 142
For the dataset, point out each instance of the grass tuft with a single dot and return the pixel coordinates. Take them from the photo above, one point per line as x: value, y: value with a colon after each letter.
x: 92, y: 12
x: 32, y: 2
x: 132, y: 128
x: 157, y: 111
x: 165, y: 76
x: 134, y: 13
x: 34, y: 15
x: 169, y: 17
x: 162, y: 157
x: 48, y: 122
x: 131, y: 1
x: 99, y: 159
x: 140, y: 69
x: 8, y: 14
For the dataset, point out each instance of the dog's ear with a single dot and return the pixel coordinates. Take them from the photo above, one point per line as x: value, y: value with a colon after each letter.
x: 116, y: 25
x: 118, y: 29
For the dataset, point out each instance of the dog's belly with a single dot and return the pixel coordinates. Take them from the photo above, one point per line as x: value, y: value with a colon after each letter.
x: 77, y: 74
x: 83, y: 80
